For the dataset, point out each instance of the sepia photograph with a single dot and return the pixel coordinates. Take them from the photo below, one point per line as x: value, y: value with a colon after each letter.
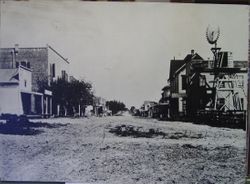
x: 123, y: 92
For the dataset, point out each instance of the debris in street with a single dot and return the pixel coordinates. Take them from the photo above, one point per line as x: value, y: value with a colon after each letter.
x: 133, y: 131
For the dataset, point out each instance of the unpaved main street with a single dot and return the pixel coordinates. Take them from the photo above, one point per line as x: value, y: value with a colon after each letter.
x: 123, y: 149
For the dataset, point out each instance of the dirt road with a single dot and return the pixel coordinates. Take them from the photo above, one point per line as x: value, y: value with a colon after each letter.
x: 123, y: 149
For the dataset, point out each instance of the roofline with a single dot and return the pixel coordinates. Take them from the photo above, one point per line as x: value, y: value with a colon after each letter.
x: 25, y: 68
x: 24, y: 48
x: 31, y: 92
x: 166, y: 87
x: 180, y: 69
x: 57, y: 53
x: 48, y: 46
x: 7, y: 83
x: 183, y: 66
x: 176, y: 60
x: 147, y: 101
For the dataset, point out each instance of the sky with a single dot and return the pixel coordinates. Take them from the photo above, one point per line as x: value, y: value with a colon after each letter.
x: 123, y: 48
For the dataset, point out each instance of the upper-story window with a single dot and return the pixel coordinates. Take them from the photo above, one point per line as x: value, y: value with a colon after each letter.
x: 52, y: 70
x: 23, y: 63
x: 184, y: 82
x: 28, y: 64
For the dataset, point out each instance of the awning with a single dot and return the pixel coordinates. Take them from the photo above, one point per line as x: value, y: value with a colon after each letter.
x: 31, y: 92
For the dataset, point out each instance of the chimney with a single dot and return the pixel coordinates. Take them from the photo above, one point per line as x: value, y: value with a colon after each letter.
x: 16, y: 48
x: 192, y: 52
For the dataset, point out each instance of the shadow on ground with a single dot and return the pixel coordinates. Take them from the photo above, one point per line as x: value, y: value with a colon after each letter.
x: 25, y: 127
x: 133, y: 131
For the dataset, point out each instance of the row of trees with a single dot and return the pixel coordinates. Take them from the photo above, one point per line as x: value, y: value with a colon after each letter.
x: 70, y: 96
x: 115, y: 106
x: 73, y: 96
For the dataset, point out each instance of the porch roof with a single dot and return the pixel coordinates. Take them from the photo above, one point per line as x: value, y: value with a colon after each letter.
x: 31, y: 92
x: 9, y: 76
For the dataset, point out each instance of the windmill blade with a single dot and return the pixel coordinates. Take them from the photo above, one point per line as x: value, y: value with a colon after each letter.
x: 212, y: 34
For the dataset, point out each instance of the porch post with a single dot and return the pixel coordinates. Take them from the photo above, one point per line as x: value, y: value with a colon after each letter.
x: 33, y: 102
x: 51, y: 112
x: 58, y: 110
x: 42, y: 104
x: 79, y: 109
x: 46, y: 105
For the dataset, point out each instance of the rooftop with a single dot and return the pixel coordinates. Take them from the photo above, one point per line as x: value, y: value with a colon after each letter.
x: 177, y: 64
x: 165, y: 88
x: 30, y: 48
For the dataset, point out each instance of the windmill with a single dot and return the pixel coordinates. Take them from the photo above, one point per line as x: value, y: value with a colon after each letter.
x: 213, y: 34
x: 228, y: 85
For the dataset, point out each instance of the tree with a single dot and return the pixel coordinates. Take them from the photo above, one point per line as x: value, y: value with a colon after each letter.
x: 80, y: 94
x: 71, y: 96
x: 42, y: 83
x: 115, y: 106
x: 132, y: 110
x: 60, y: 92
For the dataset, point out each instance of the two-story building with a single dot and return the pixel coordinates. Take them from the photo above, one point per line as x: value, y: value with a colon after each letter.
x: 178, y: 79
x: 16, y: 95
x: 99, y: 106
x: 195, y: 84
x: 45, y: 65
x: 147, y: 108
x: 162, y: 109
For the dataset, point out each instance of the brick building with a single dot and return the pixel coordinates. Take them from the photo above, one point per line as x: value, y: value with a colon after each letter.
x: 45, y: 65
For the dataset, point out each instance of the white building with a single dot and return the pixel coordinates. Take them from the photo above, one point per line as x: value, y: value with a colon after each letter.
x: 16, y: 95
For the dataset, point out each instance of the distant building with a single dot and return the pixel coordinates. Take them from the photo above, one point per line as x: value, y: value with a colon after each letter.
x: 45, y: 65
x: 162, y: 109
x: 146, y: 109
x: 72, y: 78
x: 99, y: 106
x: 165, y: 95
